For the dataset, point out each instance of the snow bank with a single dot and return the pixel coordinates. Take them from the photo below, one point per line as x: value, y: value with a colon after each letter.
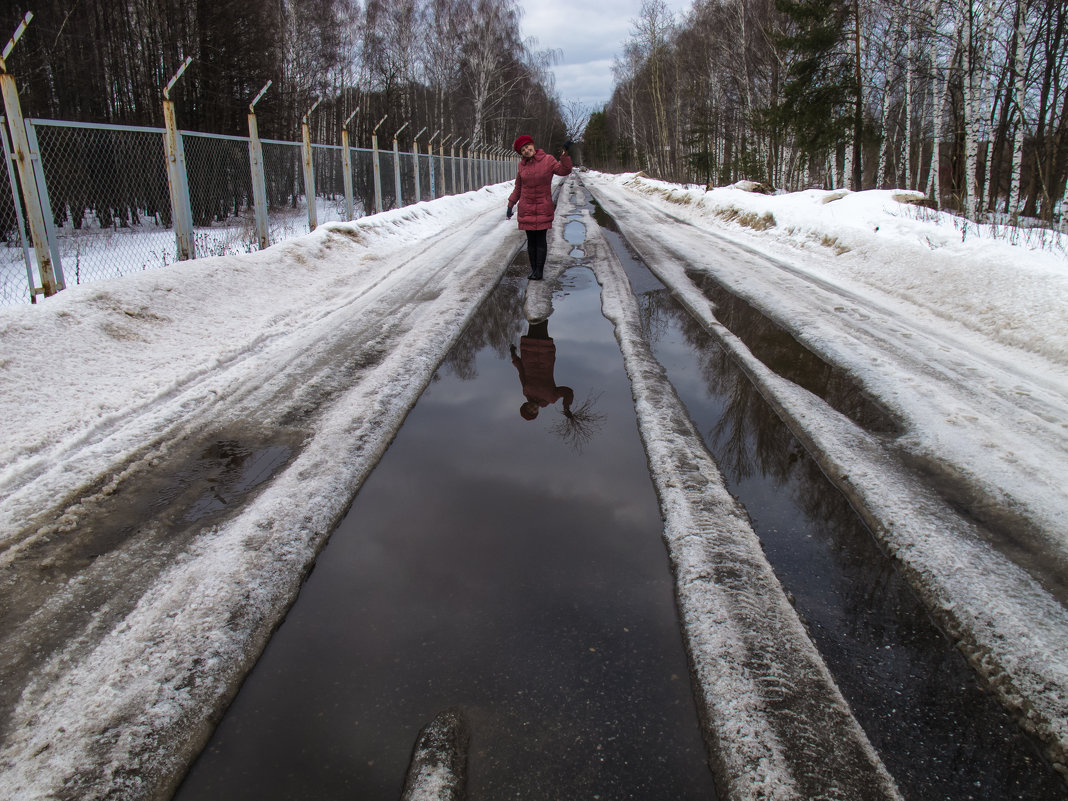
x: 1009, y: 284
x: 984, y: 417
x: 68, y: 361
x: 121, y: 706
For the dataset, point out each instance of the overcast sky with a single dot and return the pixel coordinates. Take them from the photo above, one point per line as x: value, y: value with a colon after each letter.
x: 590, y: 33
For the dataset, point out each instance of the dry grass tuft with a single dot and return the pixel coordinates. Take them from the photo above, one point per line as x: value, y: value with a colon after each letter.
x: 758, y: 222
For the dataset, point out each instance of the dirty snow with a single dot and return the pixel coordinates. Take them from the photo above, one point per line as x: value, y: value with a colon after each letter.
x: 106, y: 380
x: 767, y: 697
x: 983, y: 419
x: 145, y: 365
x: 1008, y: 284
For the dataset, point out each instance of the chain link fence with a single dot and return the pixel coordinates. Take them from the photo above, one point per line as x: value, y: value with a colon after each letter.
x: 108, y: 201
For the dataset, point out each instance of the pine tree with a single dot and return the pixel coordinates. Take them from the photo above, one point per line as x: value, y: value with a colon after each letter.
x: 819, y: 92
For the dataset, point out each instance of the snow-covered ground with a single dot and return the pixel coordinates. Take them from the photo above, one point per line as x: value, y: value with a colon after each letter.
x: 123, y: 639
x: 317, y: 348
x: 962, y: 338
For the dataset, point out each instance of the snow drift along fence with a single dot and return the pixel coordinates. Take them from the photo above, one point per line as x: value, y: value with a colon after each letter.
x: 107, y: 202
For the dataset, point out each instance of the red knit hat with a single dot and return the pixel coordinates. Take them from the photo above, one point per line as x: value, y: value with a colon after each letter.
x: 522, y: 142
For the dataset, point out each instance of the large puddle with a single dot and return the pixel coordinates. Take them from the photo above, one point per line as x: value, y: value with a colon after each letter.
x: 512, y: 568
x: 937, y: 732
x: 781, y: 351
x: 505, y: 563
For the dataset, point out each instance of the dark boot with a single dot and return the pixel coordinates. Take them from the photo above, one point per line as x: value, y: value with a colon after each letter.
x: 532, y: 254
x: 539, y: 266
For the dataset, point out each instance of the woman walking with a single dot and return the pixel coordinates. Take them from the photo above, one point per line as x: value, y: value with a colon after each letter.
x: 533, y: 193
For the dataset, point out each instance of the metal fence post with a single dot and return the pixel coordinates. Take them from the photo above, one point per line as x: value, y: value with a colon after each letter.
x: 444, y: 176
x: 19, y: 219
x: 259, y: 185
x: 46, y: 206
x: 21, y: 154
x: 377, y: 166
x: 463, y: 165
x: 309, y: 168
x: 430, y: 162
x: 396, y: 168
x: 452, y: 163
x: 181, y: 214
x: 415, y: 152
x: 346, y: 166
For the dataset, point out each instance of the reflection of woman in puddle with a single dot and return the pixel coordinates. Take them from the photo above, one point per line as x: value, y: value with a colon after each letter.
x: 535, y: 362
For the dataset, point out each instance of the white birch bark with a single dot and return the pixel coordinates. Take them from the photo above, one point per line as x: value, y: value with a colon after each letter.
x: 936, y: 111
x: 882, y: 175
x: 847, y: 168
x: 970, y: 84
x: 910, y: 178
x: 1022, y: 35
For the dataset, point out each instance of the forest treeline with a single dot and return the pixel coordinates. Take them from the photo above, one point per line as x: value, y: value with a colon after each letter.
x: 460, y: 66
x: 855, y: 93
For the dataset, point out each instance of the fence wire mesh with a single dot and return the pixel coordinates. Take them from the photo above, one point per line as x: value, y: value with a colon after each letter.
x: 287, y: 212
x: 363, y: 180
x: 220, y: 194
x: 107, y: 188
x: 111, y: 204
x: 329, y: 183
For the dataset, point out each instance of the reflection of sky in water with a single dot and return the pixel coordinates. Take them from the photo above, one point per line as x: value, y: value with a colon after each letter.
x: 486, y: 565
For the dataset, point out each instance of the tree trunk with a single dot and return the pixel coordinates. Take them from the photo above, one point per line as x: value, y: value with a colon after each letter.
x: 968, y: 90
x: 858, y: 112
x: 936, y: 112
x: 882, y: 174
x: 1019, y: 66
x: 910, y: 178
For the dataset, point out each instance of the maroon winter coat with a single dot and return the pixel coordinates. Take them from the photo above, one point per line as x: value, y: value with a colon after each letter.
x: 535, y: 365
x: 533, y: 189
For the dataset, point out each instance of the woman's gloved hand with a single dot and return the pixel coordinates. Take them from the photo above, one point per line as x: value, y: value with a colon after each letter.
x: 508, y: 214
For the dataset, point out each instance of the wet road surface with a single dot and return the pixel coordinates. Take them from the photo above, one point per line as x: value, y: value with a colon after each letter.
x: 937, y: 732
x: 512, y: 568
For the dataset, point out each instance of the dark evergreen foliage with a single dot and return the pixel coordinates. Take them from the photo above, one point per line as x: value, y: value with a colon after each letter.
x: 819, y: 93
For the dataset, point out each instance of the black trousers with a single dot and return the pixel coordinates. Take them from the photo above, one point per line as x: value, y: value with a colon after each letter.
x: 537, y: 250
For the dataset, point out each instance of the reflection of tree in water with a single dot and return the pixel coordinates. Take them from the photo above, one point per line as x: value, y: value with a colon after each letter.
x: 654, y: 321
x: 496, y: 324
x: 578, y: 425
x: 782, y: 353
x: 901, y: 676
x: 749, y: 438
